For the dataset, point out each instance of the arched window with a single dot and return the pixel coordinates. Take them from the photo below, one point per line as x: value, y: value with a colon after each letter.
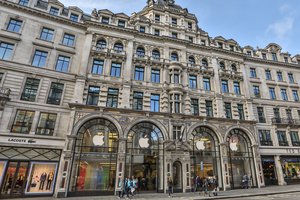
x: 222, y: 65
x: 101, y: 44
x: 118, y: 47
x: 156, y: 54
x: 233, y: 68
x: 174, y: 56
x: 192, y: 60
x: 140, y: 52
x: 204, y: 62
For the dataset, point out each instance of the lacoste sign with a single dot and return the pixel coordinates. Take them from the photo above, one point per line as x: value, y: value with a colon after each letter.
x: 22, y: 141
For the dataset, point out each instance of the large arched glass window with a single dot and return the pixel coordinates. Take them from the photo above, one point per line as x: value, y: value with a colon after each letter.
x: 94, y: 168
x: 101, y: 44
x: 174, y: 56
x: 118, y: 47
x: 144, y: 144
x: 241, y: 161
x: 140, y: 52
x: 156, y: 54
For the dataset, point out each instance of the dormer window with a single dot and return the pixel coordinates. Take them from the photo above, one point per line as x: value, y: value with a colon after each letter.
x: 54, y: 11
x: 142, y: 29
x: 220, y: 45
x: 157, y: 18
x: 231, y: 47
x: 249, y: 53
x: 286, y: 60
x: 121, y: 23
x: 105, y: 20
x: 190, y: 25
x: 174, y: 21
x: 274, y: 57
x: 74, y: 17
x: 203, y: 42
x: 23, y: 2
x: 264, y: 56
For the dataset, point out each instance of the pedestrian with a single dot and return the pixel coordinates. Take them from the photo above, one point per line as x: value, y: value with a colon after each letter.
x: 216, y: 186
x: 120, y: 189
x: 126, y: 187
x: 170, y: 186
x: 245, y: 182
x: 133, y: 185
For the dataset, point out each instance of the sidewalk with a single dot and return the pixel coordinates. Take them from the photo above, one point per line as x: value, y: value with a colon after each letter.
x: 232, y: 194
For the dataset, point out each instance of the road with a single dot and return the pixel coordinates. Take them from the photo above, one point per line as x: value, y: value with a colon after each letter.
x: 289, y: 196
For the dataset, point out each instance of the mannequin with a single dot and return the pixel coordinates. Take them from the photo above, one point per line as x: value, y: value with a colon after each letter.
x: 42, y: 180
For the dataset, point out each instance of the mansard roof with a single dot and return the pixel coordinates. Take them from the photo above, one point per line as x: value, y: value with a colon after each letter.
x: 273, y: 47
x: 56, y: 2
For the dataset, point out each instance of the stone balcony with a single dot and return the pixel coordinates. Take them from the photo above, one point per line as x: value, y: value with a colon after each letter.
x: 286, y: 122
x: 235, y: 75
x: 4, y: 97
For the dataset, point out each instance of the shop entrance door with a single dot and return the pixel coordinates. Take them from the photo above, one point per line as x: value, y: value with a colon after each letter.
x: 177, y: 177
x: 15, y: 179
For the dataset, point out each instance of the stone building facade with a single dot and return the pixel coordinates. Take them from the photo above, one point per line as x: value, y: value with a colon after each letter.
x: 87, y: 100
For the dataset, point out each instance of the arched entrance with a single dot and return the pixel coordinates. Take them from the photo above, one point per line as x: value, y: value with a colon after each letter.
x: 144, y: 149
x: 177, y: 177
x: 95, y: 158
x: 241, y: 161
x: 205, y: 156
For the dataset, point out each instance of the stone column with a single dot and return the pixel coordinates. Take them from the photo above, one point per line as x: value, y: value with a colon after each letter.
x: 279, y: 171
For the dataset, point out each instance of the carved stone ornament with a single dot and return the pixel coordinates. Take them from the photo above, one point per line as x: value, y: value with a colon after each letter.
x: 79, y: 115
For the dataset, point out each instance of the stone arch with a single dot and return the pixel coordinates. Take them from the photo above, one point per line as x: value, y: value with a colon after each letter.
x: 245, y: 130
x: 213, y: 128
x: 153, y: 121
x: 89, y: 117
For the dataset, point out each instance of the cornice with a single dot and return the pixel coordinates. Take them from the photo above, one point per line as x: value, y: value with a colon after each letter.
x: 268, y: 62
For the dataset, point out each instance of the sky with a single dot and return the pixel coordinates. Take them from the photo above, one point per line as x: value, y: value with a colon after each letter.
x: 250, y: 22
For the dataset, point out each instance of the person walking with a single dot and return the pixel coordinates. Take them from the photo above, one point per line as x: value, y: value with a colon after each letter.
x: 170, y: 186
x: 216, y: 186
x: 120, y: 189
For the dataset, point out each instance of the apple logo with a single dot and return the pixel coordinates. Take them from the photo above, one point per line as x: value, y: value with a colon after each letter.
x: 98, y: 140
x: 233, y: 146
x: 200, y: 145
x: 144, y: 142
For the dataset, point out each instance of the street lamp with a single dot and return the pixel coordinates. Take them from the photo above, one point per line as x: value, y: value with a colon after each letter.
x: 4, y: 97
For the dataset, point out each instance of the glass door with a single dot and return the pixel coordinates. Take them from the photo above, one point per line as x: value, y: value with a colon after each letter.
x: 15, y: 179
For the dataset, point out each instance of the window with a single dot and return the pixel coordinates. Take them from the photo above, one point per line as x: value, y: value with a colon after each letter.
x: 282, y: 138
x: 23, y: 121
x: 93, y: 95
x: 62, y: 64
x: 177, y: 135
x: 206, y: 84
x: 30, y: 89
x: 174, y: 57
x: 97, y: 67
x: 39, y: 58
x: 231, y: 47
x: 23, y: 2
x: 195, y: 107
x: 233, y: 68
x: 192, y: 60
x: 1, y: 77
x: 264, y: 56
x: 140, y: 52
x: 174, y: 35
x: 268, y: 75
x: 236, y: 87
x: 274, y: 57
x: 249, y: 53
x: 54, y: 11
x: 272, y: 93
x: 156, y: 54
x: 204, y: 63
x: 279, y: 76
x: 68, y: 40
x: 193, y: 82
x: 289, y: 115
x: 101, y: 44
x: 190, y: 25
x: 112, y: 98
x: 276, y: 114
x: 154, y: 104
x: 256, y: 91
x: 291, y: 78
x: 118, y: 47
x: 139, y: 73
x: 209, y: 108
x: 55, y: 93
x: 175, y: 103
x: 157, y: 18
x: 261, y: 115
x: 156, y: 32
x: 220, y: 45
x: 253, y: 73
x: 138, y: 101
x: 191, y: 39
x: 225, y: 88
x: 222, y: 65
x: 115, y: 70
x: 142, y: 29
x: 240, y: 108
x: 47, y: 34
x: 265, y: 138
x: 155, y: 76
x: 46, y: 124
x: 228, y: 113
x: 74, y: 17
x: 284, y: 95
x: 286, y: 60
x: 174, y: 21
x: 203, y: 42
x: 105, y: 20
x: 6, y: 50
x: 295, y: 138
x: 121, y: 23
x: 14, y: 25
x: 295, y: 95
x: 174, y: 77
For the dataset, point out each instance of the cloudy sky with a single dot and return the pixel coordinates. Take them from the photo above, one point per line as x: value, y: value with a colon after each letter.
x: 249, y: 22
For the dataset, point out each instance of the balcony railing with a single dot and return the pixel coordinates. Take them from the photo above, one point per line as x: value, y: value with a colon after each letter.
x: 4, y: 97
x: 285, y: 121
x: 296, y: 143
x: 266, y: 143
x: 283, y: 143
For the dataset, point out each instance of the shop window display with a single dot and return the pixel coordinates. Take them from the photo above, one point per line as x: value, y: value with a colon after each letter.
x: 291, y: 168
x: 41, y: 178
x: 2, y: 167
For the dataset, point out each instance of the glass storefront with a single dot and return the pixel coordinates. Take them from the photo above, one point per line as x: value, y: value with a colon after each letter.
x: 142, y: 160
x: 241, y: 161
x: 270, y: 176
x: 205, y: 155
x: 94, y: 167
x: 291, y: 169
x: 2, y: 168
